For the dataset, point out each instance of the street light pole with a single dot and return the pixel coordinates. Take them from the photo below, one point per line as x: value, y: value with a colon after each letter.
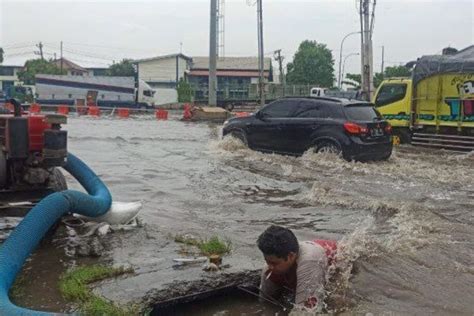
x: 344, y: 63
x: 340, y: 57
x: 261, y: 65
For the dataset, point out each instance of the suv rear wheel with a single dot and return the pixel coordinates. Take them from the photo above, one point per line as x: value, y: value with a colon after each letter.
x: 327, y: 146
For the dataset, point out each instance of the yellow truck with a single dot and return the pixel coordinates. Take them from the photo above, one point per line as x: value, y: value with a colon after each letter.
x: 435, y: 107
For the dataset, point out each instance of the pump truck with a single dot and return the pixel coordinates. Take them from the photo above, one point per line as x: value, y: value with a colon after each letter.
x: 32, y: 147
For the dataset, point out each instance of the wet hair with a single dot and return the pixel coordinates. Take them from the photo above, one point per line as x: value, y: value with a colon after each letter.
x: 277, y: 241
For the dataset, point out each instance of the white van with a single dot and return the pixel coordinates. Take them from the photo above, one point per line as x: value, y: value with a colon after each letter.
x: 318, y: 92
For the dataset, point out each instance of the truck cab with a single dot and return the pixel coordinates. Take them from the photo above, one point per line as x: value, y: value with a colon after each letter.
x: 22, y: 93
x: 393, y: 100
x: 146, y: 95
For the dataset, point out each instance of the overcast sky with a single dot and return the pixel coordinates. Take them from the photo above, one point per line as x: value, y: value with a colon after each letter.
x: 97, y: 32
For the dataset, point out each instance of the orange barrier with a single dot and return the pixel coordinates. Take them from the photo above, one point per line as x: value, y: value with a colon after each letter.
x: 241, y: 114
x: 63, y: 109
x: 93, y: 111
x: 161, y: 114
x: 35, y: 108
x: 123, y: 112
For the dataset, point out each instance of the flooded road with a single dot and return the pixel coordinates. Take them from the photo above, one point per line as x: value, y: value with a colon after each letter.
x: 406, y: 225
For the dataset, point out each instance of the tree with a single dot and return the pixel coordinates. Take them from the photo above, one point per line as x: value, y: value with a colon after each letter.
x: 1, y: 55
x: 312, y: 64
x: 121, y: 69
x: 38, y: 66
x: 355, y: 80
x: 185, y: 92
x: 389, y: 72
x: 397, y: 71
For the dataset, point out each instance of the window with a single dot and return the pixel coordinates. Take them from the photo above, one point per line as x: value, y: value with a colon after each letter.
x: 390, y: 93
x: 69, y: 96
x: 319, y: 110
x: 148, y: 93
x: 361, y: 113
x: 6, y: 71
x: 280, y: 108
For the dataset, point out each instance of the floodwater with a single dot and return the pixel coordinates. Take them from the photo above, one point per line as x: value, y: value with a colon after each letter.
x: 406, y: 225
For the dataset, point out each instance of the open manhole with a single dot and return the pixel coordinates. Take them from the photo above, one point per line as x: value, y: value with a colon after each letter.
x: 230, y: 300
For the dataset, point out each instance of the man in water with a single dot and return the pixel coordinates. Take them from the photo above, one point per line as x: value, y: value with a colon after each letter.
x: 295, y: 267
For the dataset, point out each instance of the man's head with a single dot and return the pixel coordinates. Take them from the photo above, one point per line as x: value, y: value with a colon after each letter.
x: 279, y: 247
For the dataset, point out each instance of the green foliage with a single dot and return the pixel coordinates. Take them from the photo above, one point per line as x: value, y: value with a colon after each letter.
x: 389, y: 72
x: 211, y: 246
x: 1, y: 55
x: 185, y: 92
x: 356, y: 80
x: 378, y: 78
x: 214, y: 246
x: 38, y: 66
x: 312, y: 64
x: 73, y: 286
x: 121, y: 69
x: 397, y: 71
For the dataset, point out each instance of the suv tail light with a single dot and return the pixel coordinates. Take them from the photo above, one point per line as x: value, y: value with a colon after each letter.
x: 353, y: 128
x: 388, y: 128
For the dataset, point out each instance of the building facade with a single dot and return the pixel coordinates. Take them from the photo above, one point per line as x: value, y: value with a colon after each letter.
x: 9, y: 76
x: 163, y: 73
x: 235, y: 77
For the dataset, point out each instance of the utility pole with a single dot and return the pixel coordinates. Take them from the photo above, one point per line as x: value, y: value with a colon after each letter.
x: 213, y: 55
x: 261, y: 81
x: 61, y: 57
x: 383, y: 61
x: 220, y: 39
x: 40, y: 46
x: 367, y: 24
x: 278, y: 57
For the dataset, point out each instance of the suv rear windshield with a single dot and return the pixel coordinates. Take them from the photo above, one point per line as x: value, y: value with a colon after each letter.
x: 361, y: 113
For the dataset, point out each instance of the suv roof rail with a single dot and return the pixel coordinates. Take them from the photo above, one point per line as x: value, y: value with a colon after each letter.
x: 317, y: 98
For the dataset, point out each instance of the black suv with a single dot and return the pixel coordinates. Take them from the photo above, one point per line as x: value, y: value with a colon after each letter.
x: 353, y: 129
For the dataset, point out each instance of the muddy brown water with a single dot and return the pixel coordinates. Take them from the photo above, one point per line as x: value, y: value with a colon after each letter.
x: 406, y: 225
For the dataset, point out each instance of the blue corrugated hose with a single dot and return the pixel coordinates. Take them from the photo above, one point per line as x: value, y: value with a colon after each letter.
x: 27, y: 235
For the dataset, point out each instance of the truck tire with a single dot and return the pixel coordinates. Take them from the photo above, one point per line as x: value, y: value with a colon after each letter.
x: 57, y: 181
x: 403, y: 134
x: 3, y: 170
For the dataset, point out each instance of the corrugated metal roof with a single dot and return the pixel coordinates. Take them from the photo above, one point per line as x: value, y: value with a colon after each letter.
x: 67, y: 64
x: 231, y: 63
x: 229, y: 73
x: 162, y: 57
